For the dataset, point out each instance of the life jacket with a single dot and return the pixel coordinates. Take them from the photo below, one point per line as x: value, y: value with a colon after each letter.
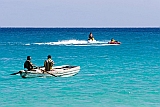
x: 91, y: 38
x: 48, y: 64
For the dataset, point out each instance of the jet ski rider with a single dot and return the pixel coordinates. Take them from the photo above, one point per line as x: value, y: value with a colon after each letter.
x: 91, y: 37
x: 112, y: 40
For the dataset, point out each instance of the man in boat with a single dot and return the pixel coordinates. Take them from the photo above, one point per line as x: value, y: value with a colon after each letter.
x: 91, y: 37
x: 112, y: 40
x: 28, y: 64
x: 48, y: 63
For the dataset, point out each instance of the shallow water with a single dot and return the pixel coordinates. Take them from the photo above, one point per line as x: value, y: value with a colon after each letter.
x: 125, y: 75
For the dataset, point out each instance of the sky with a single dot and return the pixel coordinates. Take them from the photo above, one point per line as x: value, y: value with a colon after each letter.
x: 79, y: 13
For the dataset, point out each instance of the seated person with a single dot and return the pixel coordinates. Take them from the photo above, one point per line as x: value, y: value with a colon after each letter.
x: 112, y: 40
x: 28, y: 64
x: 48, y: 63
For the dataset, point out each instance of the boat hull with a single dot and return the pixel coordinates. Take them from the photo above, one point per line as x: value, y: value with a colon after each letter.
x: 58, y: 71
x: 114, y: 42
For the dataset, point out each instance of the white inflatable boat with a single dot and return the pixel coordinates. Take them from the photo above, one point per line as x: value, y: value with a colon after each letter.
x: 57, y: 71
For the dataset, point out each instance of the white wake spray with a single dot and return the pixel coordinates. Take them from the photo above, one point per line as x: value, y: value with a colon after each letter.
x: 75, y: 43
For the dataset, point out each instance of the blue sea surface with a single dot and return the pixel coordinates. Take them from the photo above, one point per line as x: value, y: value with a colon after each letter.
x: 125, y: 75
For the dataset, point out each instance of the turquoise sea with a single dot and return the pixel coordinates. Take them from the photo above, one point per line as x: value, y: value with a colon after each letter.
x: 125, y: 75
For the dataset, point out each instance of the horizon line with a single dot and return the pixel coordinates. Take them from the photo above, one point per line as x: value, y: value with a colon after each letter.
x: 76, y: 27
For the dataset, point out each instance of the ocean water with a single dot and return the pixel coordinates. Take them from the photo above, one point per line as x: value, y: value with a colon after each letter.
x: 125, y: 75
